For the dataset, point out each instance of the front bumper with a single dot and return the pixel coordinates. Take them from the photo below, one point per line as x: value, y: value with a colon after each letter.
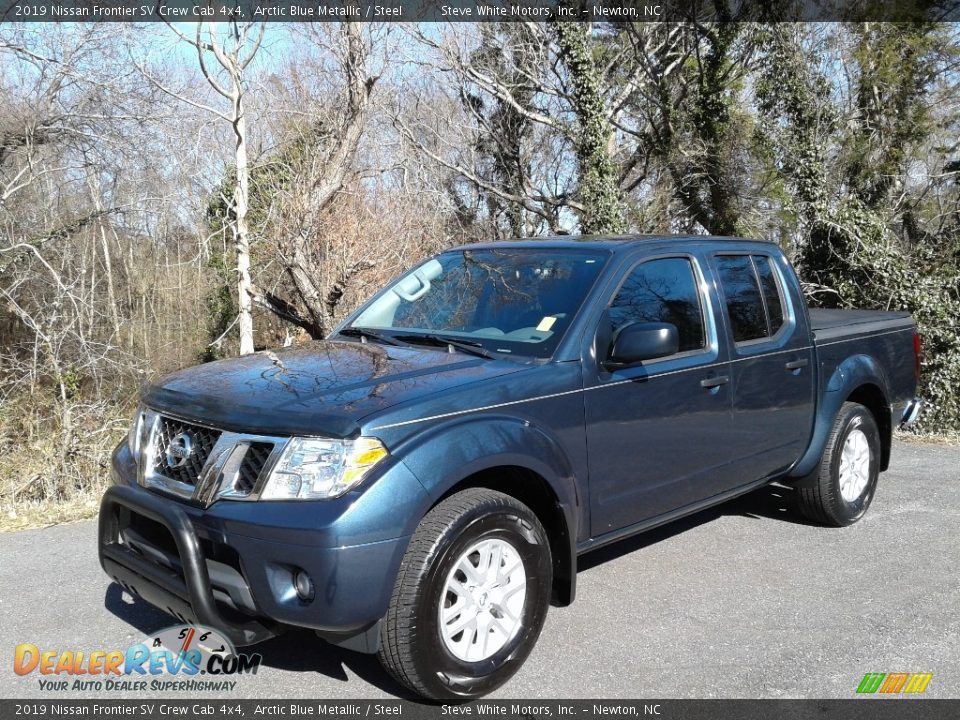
x: 231, y: 566
x: 187, y: 594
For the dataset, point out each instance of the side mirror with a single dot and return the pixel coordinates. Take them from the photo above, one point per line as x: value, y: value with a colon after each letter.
x: 644, y: 341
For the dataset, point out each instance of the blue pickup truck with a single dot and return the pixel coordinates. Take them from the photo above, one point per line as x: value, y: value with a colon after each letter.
x: 421, y: 483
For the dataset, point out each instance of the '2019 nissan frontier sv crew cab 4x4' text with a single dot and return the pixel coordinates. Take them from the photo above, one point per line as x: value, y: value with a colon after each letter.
x: 420, y: 484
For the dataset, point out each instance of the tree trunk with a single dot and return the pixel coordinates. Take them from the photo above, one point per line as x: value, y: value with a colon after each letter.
x: 599, y: 187
x: 111, y: 291
x: 241, y: 197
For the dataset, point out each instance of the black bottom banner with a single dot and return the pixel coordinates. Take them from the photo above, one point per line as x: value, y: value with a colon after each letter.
x: 150, y: 708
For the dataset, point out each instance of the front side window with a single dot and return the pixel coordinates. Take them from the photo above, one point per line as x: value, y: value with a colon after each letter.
x: 752, y: 293
x: 511, y: 300
x: 663, y: 290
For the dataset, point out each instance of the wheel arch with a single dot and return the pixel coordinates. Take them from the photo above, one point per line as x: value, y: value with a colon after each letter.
x: 536, y: 493
x: 871, y: 397
x: 858, y: 379
x: 513, y: 456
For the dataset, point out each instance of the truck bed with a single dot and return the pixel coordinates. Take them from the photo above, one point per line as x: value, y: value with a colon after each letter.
x: 837, y: 324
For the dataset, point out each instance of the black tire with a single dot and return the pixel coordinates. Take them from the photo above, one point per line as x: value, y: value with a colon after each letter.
x: 411, y: 645
x: 824, y: 502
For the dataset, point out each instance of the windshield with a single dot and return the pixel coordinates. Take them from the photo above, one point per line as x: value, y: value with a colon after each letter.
x: 514, y: 300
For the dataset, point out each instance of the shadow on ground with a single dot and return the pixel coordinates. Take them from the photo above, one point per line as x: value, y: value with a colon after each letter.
x: 775, y: 502
x: 296, y: 650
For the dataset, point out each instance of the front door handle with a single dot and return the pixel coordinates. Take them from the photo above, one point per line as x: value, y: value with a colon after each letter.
x: 713, y: 382
x: 797, y: 364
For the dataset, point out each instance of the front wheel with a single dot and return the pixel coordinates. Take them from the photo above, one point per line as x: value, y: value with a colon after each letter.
x: 849, y: 470
x: 470, y: 598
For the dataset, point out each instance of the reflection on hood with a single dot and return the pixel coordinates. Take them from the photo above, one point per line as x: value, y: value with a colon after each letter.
x: 323, y: 388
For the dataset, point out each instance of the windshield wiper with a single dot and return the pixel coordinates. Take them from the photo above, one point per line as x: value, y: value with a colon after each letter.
x: 364, y: 333
x: 465, y: 346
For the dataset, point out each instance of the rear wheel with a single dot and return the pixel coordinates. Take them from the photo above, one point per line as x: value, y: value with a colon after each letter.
x: 849, y: 470
x: 470, y: 598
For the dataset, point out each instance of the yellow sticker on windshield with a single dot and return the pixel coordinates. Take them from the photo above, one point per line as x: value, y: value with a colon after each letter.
x: 546, y: 323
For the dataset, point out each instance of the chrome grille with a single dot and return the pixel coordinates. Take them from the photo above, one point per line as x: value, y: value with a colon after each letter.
x: 194, y: 443
x: 203, y: 464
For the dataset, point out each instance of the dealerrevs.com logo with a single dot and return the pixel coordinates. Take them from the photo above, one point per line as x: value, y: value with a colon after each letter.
x: 186, y: 658
x: 894, y: 683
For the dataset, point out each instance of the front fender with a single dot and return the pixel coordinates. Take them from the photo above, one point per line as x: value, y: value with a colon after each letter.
x: 447, y: 454
x: 854, y: 372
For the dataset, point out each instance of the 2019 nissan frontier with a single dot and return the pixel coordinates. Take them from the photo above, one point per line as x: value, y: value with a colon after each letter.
x: 420, y: 484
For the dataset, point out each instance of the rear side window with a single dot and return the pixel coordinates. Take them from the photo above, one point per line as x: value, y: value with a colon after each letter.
x: 663, y: 290
x: 771, y: 292
x: 752, y: 293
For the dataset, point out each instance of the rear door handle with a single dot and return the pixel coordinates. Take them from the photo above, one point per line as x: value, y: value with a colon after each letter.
x: 797, y: 364
x: 713, y: 382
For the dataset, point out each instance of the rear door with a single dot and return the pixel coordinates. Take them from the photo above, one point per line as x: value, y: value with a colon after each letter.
x: 658, y: 433
x: 771, y: 362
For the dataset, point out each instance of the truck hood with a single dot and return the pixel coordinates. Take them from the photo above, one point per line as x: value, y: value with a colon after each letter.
x: 322, y: 388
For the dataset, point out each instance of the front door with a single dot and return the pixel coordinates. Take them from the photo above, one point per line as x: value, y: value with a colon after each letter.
x: 658, y: 432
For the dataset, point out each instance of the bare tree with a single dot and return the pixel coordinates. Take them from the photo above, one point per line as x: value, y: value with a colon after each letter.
x: 233, y: 54
x: 89, y: 287
x: 492, y: 111
x: 322, y: 110
x: 538, y: 120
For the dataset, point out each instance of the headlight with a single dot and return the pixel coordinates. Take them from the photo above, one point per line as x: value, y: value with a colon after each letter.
x: 314, y: 469
x: 135, y: 436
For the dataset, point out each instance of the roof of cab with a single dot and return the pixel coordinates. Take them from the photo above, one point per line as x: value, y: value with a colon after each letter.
x: 612, y: 243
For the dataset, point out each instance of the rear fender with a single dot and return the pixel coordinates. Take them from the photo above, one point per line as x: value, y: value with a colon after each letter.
x: 854, y: 372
